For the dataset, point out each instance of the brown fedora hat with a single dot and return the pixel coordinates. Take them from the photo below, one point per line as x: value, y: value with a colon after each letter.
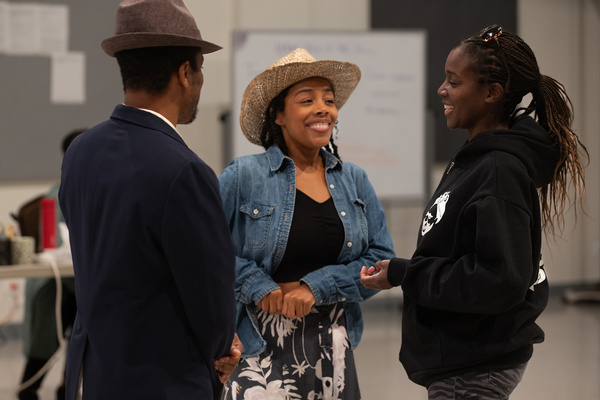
x: 296, y: 66
x: 154, y: 23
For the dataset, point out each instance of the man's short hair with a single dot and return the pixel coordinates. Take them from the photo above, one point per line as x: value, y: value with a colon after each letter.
x: 150, y: 68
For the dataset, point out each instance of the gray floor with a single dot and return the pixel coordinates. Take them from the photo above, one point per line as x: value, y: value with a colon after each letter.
x: 566, y: 366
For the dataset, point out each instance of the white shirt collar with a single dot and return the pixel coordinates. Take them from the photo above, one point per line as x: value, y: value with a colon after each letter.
x: 161, y: 117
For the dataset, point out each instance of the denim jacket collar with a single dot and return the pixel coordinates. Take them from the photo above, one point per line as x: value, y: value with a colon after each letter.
x: 276, y: 158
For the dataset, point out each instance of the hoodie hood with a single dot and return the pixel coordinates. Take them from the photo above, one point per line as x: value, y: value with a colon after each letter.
x: 526, y: 140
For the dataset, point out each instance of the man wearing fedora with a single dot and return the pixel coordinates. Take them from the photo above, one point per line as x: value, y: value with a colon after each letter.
x: 152, y: 252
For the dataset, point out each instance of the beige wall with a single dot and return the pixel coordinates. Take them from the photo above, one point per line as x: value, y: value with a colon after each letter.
x: 563, y: 34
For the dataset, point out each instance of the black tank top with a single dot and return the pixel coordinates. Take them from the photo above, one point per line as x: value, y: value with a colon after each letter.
x: 316, y: 239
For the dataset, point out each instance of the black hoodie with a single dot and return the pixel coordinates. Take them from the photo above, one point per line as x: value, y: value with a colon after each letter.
x: 474, y: 286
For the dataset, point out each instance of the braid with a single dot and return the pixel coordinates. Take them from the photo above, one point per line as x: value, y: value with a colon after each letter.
x: 554, y: 112
x: 490, y: 67
x: 333, y: 149
x: 520, y: 75
x: 271, y: 132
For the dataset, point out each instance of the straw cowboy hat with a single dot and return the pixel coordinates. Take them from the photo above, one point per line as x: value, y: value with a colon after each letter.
x: 296, y: 66
x: 153, y: 23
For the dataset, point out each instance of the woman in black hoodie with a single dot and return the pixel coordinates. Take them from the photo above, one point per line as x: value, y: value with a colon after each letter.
x: 476, y: 284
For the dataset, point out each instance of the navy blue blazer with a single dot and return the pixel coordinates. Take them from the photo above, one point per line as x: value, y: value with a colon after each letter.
x: 154, y: 263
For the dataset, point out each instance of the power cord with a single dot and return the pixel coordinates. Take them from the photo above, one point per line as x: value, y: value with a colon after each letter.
x: 50, y: 259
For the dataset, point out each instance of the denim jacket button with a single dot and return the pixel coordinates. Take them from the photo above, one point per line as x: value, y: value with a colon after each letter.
x: 343, y: 213
x: 349, y: 244
x: 255, y: 211
x: 332, y: 186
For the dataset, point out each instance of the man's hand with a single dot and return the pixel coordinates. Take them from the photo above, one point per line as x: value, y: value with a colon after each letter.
x: 379, y: 280
x: 225, y: 365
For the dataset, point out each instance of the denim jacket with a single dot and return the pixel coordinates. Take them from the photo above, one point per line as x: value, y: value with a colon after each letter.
x: 258, y: 194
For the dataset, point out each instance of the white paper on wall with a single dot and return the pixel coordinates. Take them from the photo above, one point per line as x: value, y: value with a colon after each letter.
x: 54, y: 28
x: 67, y: 80
x: 23, y: 29
x: 36, y: 29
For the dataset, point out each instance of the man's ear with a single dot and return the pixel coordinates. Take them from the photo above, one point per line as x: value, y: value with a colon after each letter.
x: 495, y: 93
x: 184, y: 74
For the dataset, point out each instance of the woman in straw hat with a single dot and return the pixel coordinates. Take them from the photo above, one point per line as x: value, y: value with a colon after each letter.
x: 303, y: 224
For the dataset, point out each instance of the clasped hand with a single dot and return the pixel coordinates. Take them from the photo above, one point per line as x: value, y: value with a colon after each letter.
x: 292, y: 299
x: 226, y: 364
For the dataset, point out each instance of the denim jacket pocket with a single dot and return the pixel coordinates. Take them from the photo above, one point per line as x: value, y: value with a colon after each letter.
x: 361, y: 211
x: 258, y: 221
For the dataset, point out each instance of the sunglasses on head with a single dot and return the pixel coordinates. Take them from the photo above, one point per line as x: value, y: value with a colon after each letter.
x: 491, y: 33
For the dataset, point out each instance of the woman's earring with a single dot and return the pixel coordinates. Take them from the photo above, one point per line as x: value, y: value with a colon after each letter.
x: 335, y: 130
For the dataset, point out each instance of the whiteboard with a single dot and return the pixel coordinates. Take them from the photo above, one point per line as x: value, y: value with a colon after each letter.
x: 382, y: 126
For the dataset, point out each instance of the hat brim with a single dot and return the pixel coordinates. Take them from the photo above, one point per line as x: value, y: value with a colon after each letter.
x: 343, y: 77
x: 138, y: 40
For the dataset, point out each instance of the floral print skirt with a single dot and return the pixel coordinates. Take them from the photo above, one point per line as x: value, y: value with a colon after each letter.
x: 305, y: 358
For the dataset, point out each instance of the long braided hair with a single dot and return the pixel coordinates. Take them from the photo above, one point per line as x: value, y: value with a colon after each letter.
x: 271, y: 132
x: 504, y: 58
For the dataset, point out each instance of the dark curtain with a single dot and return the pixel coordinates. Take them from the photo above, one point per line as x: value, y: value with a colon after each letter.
x: 446, y: 23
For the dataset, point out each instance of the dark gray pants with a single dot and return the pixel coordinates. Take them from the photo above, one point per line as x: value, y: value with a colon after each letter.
x: 482, y: 385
